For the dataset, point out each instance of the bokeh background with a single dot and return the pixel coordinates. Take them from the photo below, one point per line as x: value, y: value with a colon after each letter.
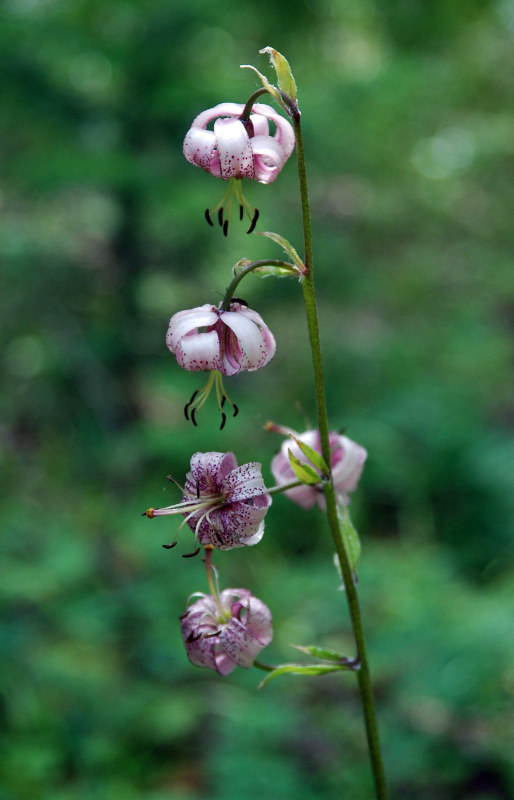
x: 408, y: 125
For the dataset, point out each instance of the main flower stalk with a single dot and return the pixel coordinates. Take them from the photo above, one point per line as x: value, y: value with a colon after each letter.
x: 309, y: 296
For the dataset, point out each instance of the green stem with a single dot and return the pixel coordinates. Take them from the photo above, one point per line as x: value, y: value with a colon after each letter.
x: 266, y: 262
x: 309, y: 296
x: 284, y: 487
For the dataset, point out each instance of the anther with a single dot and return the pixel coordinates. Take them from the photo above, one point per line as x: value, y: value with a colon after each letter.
x: 193, y: 420
x: 208, y: 217
x: 241, y: 212
x: 223, y: 401
x: 193, y: 637
x: 169, y: 546
x: 254, y: 221
x: 223, y: 420
x: 186, y: 407
x: 197, y: 490
x: 220, y: 217
x: 191, y: 555
x: 225, y: 227
x: 236, y: 410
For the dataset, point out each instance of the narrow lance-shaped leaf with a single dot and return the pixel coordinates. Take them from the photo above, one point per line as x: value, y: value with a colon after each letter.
x: 285, y: 77
x: 314, y: 457
x: 302, y: 669
x: 286, y: 246
x: 350, y: 536
x: 303, y: 472
x: 325, y: 654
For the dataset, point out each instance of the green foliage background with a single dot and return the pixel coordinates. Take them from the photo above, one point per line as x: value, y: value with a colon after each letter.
x: 408, y: 121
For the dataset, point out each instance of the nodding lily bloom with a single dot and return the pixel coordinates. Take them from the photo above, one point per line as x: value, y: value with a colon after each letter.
x: 225, y: 631
x: 224, y: 342
x: 239, y: 148
x: 347, y: 459
x: 223, y: 504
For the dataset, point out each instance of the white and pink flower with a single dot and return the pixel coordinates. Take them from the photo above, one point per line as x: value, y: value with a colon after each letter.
x: 226, y: 631
x: 224, y: 504
x: 208, y: 338
x: 347, y: 459
x: 237, y: 148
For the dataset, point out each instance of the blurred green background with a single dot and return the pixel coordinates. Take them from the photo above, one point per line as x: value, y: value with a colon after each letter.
x: 408, y: 125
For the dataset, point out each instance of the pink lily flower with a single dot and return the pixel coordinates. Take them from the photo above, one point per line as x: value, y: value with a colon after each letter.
x: 240, y: 149
x: 223, y: 503
x: 207, y: 338
x: 225, y: 631
x: 347, y: 459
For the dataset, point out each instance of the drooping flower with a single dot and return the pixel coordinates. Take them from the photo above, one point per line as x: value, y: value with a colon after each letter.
x: 224, y: 342
x: 347, y: 460
x: 226, y: 631
x: 239, y: 148
x: 224, y: 504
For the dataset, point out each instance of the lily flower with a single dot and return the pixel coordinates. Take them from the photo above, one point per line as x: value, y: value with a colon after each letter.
x: 207, y: 338
x: 227, y: 630
x: 224, y: 504
x: 347, y: 459
x: 239, y: 148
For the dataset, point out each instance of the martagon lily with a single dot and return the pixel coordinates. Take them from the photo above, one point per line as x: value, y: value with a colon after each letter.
x: 226, y: 630
x: 239, y: 148
x: 207, y: 338
x: 223, y: 503
x: 347, y: 459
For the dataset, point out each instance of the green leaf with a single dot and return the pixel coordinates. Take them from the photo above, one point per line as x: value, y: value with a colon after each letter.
x: 314, y: 457
x: 350, y: 536
x: 286, y: 246
x: 301, y: 669
x: 303, y: 472
x: 273, y: 91
x: 281, y: 66
x: 324, y: 654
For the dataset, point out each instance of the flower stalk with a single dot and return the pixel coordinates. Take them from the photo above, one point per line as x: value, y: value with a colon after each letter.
x: 309, y: 296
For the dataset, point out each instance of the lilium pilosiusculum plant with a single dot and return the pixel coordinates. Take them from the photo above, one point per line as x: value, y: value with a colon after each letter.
x: 224, y: 504
x: 226, y: 630
x: 208, y: 338
x: 239, y: 148
x: 347, y: 458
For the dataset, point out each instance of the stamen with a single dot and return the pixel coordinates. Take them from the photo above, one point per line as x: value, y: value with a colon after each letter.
x: 169, y: 546
x: 220, y: 216
x: 223, y: 420
x: 194, y: 553
x: 193, y: 420
x: 236, y: 409
x: 208, y: 217
x: 241, y: 212
x: 186, y: 407
x: 193, y: 637
x: 225, y: 227
x: 197, y: 490
x: 254, y: 221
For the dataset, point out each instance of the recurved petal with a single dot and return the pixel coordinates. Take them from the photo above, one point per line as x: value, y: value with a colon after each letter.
x: 188, y: 321
x: 284, y: 133
x: 199, y: 351
x: 199, y: 146
x: 221, y: 110
x: 269, y: 158
x: 259, y: 621
x: 250, y: 349
x: 210, y: 469
x: 235, y: 151
x: 244, y: 482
